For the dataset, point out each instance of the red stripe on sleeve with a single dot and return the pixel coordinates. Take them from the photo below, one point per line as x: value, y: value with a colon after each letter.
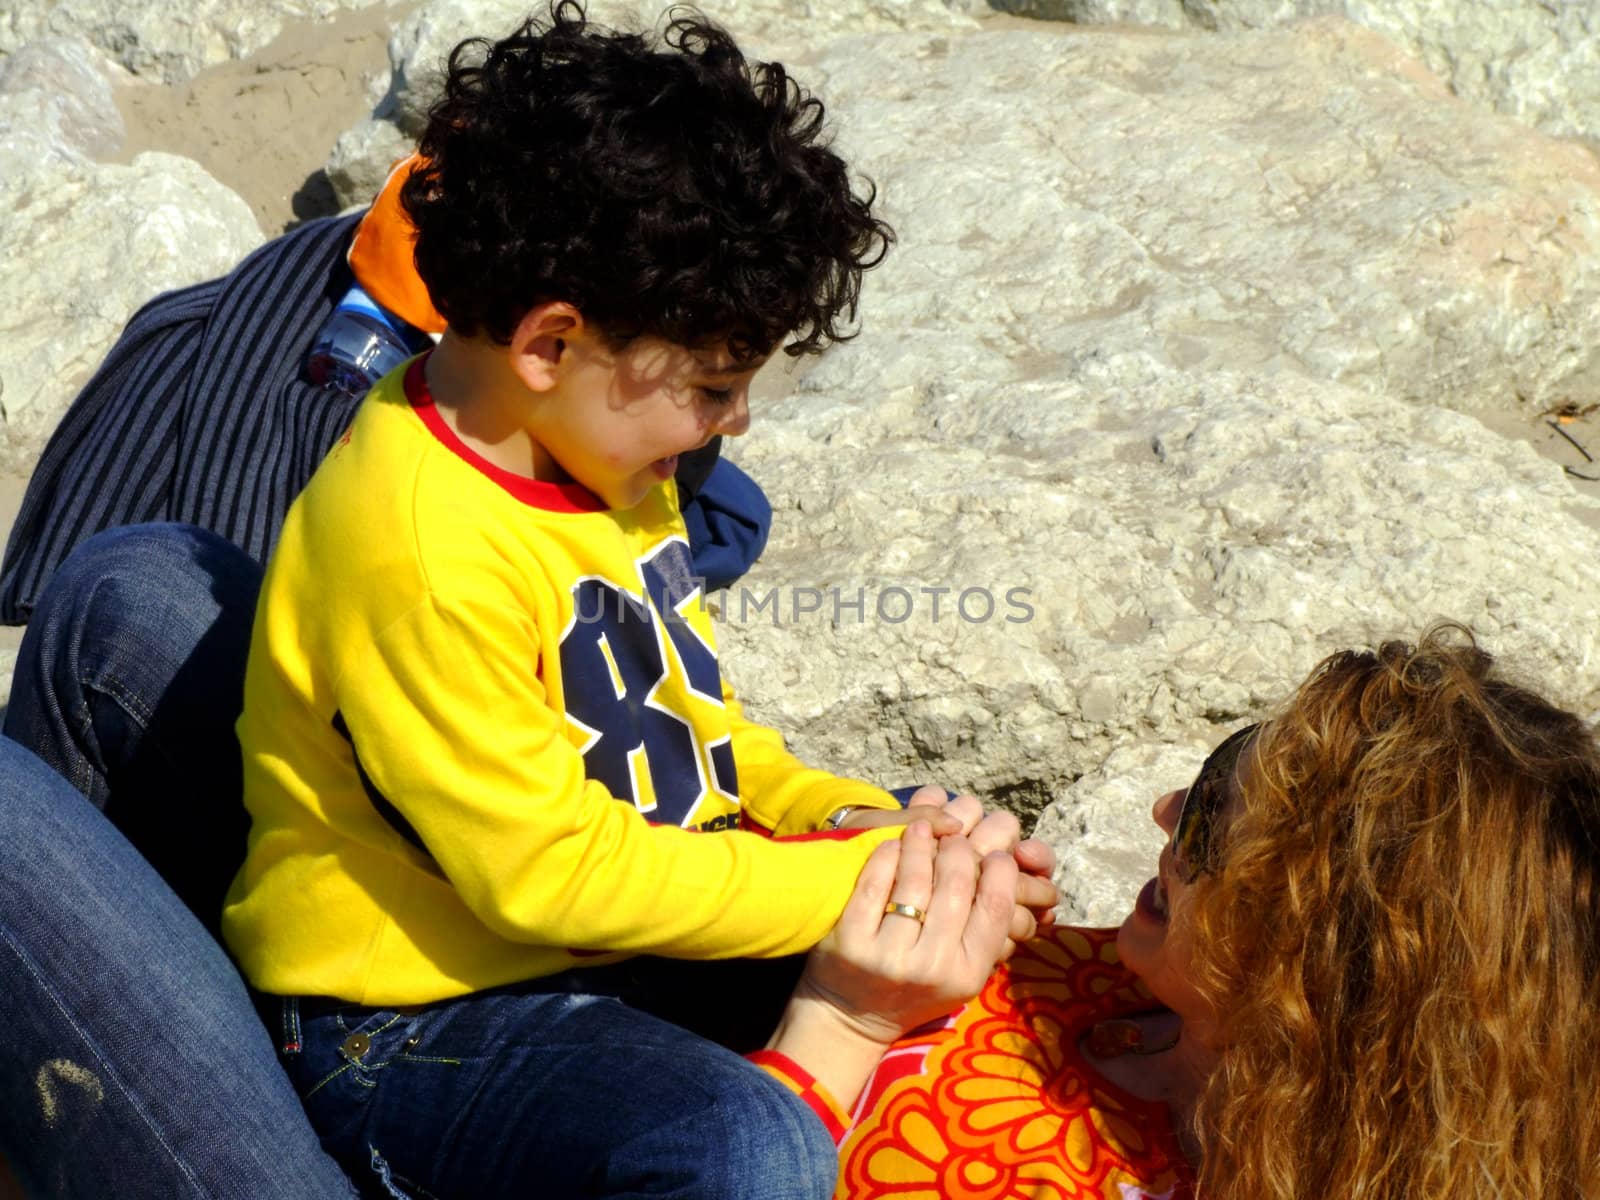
x: 800, y: 1081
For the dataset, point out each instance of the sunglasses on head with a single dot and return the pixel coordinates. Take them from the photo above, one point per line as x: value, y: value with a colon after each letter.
x: 1192, y: 848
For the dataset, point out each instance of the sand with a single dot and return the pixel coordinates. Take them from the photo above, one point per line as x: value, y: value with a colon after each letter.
x: 264, y: 125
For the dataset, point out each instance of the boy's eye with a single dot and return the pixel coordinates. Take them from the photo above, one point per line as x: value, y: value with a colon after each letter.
x: 717, y: 395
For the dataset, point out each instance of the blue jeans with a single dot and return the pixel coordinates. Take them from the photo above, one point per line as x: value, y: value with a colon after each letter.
x: 128, y: 682
x: 131, y: 1061
x: 515, y: 1093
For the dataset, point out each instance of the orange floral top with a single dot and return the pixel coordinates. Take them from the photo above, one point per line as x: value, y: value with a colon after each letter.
x: 996, y: 1102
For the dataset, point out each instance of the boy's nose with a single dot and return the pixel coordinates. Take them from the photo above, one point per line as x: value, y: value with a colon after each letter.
x: 733, y: 420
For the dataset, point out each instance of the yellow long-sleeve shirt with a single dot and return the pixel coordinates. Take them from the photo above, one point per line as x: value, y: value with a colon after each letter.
x: 485, y: 738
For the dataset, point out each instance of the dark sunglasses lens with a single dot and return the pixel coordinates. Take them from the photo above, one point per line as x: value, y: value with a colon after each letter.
x: 1191, y: 839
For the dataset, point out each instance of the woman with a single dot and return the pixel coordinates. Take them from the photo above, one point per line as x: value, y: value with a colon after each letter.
x: 1368, y: 966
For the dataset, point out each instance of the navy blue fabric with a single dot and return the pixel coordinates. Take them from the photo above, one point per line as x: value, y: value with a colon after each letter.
x: 515, y: 1093
x: 728, y: 523
x: 200, y: 413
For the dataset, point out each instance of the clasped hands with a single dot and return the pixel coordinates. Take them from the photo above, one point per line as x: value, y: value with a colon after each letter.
x: 880, y: 973
x: 987, y: 834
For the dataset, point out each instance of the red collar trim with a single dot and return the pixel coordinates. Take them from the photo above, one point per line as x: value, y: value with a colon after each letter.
x: 537, y: 493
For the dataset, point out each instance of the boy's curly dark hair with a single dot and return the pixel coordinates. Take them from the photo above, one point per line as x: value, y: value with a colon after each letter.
x: 675, y: 191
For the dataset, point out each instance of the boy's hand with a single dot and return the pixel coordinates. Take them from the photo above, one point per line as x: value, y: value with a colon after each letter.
x: 928, y: 800
x: 1001, y: 832
x: 943, y: 824
x: 1035, y: 891
x: 1036, y: 894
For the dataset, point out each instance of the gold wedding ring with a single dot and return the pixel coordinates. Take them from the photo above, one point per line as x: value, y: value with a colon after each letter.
x: 905, y: 910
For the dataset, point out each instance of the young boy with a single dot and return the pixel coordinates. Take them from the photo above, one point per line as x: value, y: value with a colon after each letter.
x: 487, y: 746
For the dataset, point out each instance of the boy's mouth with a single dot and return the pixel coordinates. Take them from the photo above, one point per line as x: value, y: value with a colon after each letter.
x: 665, y: 468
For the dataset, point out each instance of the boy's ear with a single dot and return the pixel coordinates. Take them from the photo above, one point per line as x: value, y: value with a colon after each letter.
x: 539, y: 343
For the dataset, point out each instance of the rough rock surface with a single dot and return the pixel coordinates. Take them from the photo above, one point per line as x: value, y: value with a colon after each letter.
x: 362, y: 158
x: 1302, y: 201
x: 160, y: 39
x: 1171, y: 339
x: 1103, y: 832
x: 82, y: 247
x: 784, y: 29
x: 84, y: 244
x: 1534, y: 59
x: 55, y: 103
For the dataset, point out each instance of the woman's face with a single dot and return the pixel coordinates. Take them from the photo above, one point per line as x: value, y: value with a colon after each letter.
x: 1155, y: 941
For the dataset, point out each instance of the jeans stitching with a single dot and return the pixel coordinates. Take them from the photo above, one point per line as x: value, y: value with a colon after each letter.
x: 338, y: 1018
x: 334, y: 1074
x: 88, y: 768
x: 409, y: 1184
x: 83, y: 769
x: 129, y: 700
x: 394, y: 1182
x: 362, y: 1071
x: 391, y: 1021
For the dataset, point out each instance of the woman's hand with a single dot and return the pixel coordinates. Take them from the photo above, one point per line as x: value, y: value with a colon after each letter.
x: 988, y: 832
x: 887, y: 972
x: 880, y: 973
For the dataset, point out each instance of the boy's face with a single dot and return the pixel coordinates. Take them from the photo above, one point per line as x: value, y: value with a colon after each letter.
x: 620, y: 418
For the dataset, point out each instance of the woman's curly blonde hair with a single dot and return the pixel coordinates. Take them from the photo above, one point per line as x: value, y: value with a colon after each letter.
x: 1403, y: 940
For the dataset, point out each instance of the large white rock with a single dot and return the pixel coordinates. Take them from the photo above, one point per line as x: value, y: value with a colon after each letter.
x: 161, y: 39
x: 1172, y: 340
x: 1105, y: 837
x: 55, y: 104
x: 1307, y: 200
x: 788, y: 30
x: 1534, y: 59
x: 82, y: 247
x: 362, y: 158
